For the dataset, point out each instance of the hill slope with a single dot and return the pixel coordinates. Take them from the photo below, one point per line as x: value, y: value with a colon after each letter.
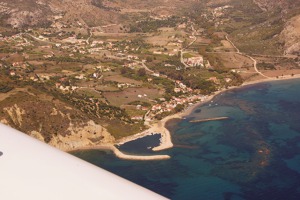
x: 18, y: 13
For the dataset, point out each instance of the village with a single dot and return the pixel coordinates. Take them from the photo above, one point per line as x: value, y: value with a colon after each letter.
x: 139, y: 75
x: 190, y: 99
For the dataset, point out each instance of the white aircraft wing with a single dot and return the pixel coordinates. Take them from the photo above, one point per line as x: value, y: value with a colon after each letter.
x: 32, y: 170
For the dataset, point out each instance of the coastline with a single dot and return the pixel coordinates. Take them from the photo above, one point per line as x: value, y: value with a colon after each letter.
x: 120, y: 154
x: 156, y: 128
x: 270, y: 79
x: 160, y: 126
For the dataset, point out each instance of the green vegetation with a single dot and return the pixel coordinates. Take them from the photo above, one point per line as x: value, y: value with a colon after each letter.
x: 253, y: 30
x: 62, y: 59
x: 179, y: 108
x: 152, y: 25
x: 142, y: 103
x: 95, y: 108
x: 250, y: 28
x: 266, y: 66
x: 119, y: 129
x: 139, y: 75
x: 102, y: 74
x: 4, y: 88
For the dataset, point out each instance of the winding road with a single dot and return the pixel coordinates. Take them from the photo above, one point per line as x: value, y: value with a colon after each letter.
x: 254, y: 61
x: 145, y: 66
x: 88, y: 39
x: 191, y: 43
x: 38, y: 39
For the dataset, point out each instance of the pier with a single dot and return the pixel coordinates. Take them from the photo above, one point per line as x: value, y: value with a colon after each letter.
x: 209, y: 119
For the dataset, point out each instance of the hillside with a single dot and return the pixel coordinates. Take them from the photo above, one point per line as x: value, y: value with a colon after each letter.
x: 290, y: 15
x: 75, y: 73
x: 49, y: 119
x: 269, y: 30
x: 258, y: 26
x: 269, y: 5
x: 18, y: 14
x: 291, y: 36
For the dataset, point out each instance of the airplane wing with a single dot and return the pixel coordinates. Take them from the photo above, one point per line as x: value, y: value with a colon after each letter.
x: 30, y: 169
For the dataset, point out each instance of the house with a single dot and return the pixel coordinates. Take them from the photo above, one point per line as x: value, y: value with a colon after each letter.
x: 177, y: 90
x: 214, y: 80
x: 57, y: 85
x: 144, y: 108
x: 95, y: 75
x: 156, y: 107
x: 15, y: 64
x: 156, y: 74
x: 42, y: 38
x: 178, y: 68
x: 157, y: 52
x: 130, y: 57
x: 48, y: 56
x: 80, y: 77
x: 227, y: 80
x: 139, y: 107
x: 44, y: 77
x: 122, y: 85
x: 182, y: 26
x: 138, y: 118
x: 12, y: 73
x: 194, y: 61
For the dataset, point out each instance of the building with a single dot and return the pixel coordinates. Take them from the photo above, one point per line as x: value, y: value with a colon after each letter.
x: 194, y: 61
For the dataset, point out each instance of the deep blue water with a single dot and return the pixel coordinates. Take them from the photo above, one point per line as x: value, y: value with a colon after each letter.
x: 255, y: 154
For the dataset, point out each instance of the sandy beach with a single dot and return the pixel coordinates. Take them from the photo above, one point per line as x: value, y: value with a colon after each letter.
x: 285, y: 77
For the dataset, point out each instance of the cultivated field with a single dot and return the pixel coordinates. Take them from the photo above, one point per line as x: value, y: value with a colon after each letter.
x: 122, y: 79
x: 131, y: 94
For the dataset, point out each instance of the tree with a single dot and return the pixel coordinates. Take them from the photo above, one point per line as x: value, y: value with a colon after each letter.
x: 179, y: 108
x: 123, y: 70
x: 142, y: 72
x: 149, y: 59
x: 5, y: 88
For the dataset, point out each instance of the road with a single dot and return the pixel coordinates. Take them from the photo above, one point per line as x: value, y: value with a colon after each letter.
x: 181, y: 59
x: 191, y: 43
x: 35, y: 38
x: 254, y: 61
x: 237, y: 50
x: 274, y: 56
x: 88, y: 39
x: 145, y: 66
x: 255, y: 65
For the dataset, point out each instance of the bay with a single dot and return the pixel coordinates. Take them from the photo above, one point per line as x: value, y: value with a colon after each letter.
x: 255, y: 154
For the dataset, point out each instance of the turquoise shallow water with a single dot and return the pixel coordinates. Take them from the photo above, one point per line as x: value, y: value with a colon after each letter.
x: 255, y: 154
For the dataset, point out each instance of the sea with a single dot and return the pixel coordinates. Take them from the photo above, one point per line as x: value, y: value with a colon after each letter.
x: 254, y: 154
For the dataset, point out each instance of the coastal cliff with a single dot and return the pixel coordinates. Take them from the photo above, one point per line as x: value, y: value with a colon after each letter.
x: 52, y: 122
